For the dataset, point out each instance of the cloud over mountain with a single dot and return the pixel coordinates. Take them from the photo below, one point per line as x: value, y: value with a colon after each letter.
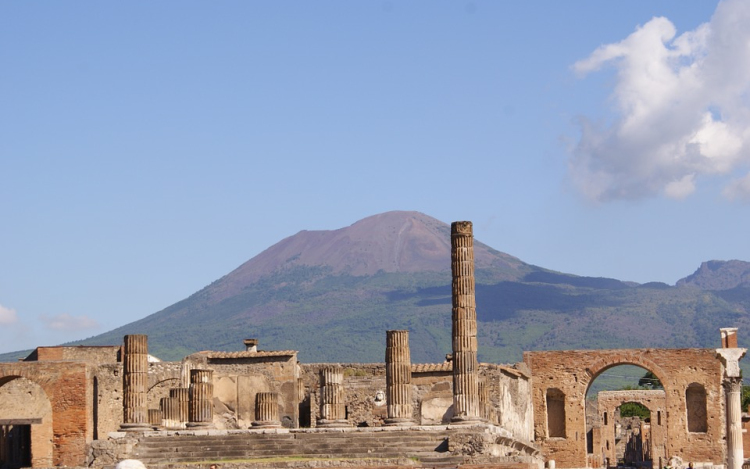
x: 682, y: 111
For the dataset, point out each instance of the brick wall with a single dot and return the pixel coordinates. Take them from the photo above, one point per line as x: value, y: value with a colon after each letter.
x: 573, y: 371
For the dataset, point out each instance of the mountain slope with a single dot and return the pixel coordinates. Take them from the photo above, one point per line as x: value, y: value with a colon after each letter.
x: 333, y: 294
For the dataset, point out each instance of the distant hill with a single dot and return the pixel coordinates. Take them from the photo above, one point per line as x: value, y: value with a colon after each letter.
x: 331, y: 295
x: 719, y: 275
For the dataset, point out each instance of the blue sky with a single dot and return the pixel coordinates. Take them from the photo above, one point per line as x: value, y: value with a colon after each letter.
x: 147, y: 149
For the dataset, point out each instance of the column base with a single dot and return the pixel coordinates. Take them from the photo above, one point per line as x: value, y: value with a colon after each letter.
x: 266, y: 424
x: 467, y: 420
x: 399, y: 422
x: 326, y: 423
x: 199, y: 425
x: 135, y: 427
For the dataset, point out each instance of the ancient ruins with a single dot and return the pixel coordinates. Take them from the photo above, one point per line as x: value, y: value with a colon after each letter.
x: 94, y: 406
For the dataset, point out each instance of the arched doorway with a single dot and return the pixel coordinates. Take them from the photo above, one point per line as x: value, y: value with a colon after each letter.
x: 25, y: 423
x: 684, y: 432
x: 625, y: 418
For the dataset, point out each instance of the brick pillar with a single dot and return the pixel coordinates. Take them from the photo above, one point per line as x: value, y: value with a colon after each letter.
x: 182, y: 395
x: 332, y: 407
x: 135, y: 384
x: 398, y: 378
x: 267, y: 410
x: 465, y: 364
x: 201, y: 408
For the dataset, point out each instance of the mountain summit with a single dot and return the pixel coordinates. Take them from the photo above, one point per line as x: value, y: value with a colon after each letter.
x: 332, y: 294
x: 390, y: 242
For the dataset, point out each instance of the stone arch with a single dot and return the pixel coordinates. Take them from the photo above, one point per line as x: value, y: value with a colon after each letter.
x: 626, y: 357
x: 572, y: 371
x: 24, y: 402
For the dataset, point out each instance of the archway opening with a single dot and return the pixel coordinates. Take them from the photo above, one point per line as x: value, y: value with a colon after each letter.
x: 26, y: 422
x: 621, y: 403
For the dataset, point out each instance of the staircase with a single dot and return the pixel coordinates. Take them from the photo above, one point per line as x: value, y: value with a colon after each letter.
x: 426, y: 446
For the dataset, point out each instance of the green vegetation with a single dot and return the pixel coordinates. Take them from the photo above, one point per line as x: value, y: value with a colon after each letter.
x: 634, y: 409
x: 343, y: 318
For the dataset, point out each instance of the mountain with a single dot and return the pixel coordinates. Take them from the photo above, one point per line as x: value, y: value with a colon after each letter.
x: 332, y: 294
x: 719, y: 275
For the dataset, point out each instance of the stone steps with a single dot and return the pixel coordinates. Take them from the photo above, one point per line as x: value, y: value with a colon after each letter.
x: 322, y: 445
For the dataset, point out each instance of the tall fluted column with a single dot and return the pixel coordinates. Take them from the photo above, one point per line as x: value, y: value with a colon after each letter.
x: 730, y: 355
x: 398, y: 378
x: 733, y: 393
x: 182, y: 395
x: 267, y: 410
x: 135, y: 383
x: 201, y: 407
x: 465, y: 364
x: 332, y: 406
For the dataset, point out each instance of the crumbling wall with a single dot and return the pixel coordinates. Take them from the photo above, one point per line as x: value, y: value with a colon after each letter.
x: 67, y: 388
x: 573, y: 371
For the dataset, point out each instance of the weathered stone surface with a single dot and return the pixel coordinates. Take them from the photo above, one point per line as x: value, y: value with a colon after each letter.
x: 465, y: 365
x: 398, y: 378
x: 571, y: 373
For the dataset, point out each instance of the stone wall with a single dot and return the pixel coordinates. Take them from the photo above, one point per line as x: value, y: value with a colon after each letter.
x: 60, y: 438
x: 571, y: 373
x: 432, y: 395
x: 89, y: 354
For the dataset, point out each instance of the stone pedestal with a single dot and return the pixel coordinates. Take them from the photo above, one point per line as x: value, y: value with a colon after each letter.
x: 135, y: 383
x: 170, y: 411
x: 201, y: 407
x: 155, y: 419
x: 398, y: 378
x: 332, y: 407
x: 267, y: 410
x: 182, y: 395
x: 465, y: 364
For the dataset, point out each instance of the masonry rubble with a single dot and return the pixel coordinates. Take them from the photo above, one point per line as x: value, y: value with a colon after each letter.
x: 525, y: 415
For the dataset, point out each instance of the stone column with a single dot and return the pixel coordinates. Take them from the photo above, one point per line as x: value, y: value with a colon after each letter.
x: 182, y: 395
x: 201, y: 406
x: 170, y: 412
x: 730, y: 356
x: 332, y: 406
x: 465, y: 364
x: 398, y: 378
x: 135, y: 383
x: 155, y: 418
x: 267, y: 410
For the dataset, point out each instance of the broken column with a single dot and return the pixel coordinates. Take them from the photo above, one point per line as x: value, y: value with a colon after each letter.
x: 135, y: 383
x: 332, y: 407
x: 170, y: 411
x: 730, y: 356
x: 398, y: 378
x: 465, y: 364
x: 267, y: 410
x: 201, y: 399
x: 155, y: 418
x: 182, y: 395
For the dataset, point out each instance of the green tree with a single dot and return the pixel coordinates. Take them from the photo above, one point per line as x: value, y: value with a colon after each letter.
x: 650, y: 381
x: 745, y: 397
x: 633, y: 409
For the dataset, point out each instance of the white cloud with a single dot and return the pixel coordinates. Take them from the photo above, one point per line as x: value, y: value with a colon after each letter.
x: 7, y: 316
x: 66, y: 322
x: 682, y: 110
